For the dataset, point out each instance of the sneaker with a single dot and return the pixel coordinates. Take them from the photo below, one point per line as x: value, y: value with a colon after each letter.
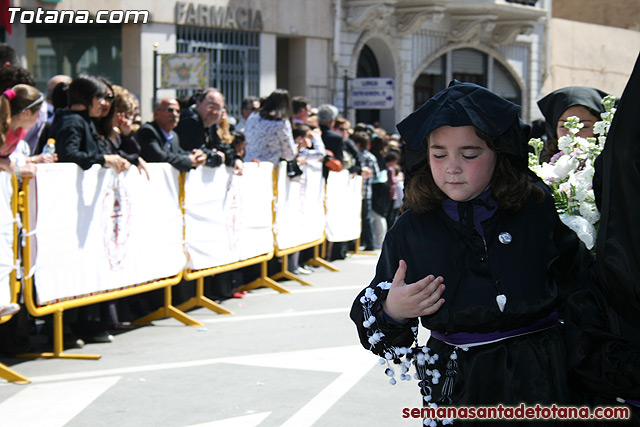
x: 99, y: 337
x: 8, y: 310
x: 68, y: 341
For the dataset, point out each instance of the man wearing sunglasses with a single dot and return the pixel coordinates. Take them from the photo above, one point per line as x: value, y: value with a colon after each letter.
x: 160, y: 143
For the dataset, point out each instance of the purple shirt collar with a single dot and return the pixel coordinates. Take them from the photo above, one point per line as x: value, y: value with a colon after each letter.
x: 482, y: 210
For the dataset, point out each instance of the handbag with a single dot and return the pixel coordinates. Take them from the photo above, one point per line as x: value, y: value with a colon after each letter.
x: 331, y: 162
x: 293, y: 169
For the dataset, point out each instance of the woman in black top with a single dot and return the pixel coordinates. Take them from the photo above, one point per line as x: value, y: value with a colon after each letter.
x: 75, y: 134
x: 114, y: 126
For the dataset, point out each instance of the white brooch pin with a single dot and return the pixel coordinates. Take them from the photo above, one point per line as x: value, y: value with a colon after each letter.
x: 505, y: 238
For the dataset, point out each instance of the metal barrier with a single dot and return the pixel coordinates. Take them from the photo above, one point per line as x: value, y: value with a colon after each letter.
x: 14, y: 285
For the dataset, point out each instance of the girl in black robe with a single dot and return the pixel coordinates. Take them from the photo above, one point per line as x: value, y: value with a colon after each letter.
x: 488, y: 276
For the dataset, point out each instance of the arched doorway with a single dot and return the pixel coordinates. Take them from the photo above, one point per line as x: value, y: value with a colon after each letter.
x: 465, y: 65
x: 367, y: 67
x: 377, y: 58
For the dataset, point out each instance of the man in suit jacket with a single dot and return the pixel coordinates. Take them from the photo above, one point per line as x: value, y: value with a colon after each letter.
x: 159, y: 143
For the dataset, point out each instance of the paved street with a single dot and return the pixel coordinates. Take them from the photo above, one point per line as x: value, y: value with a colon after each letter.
x: 281, y: 360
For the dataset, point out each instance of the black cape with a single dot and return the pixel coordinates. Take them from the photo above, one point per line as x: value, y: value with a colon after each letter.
x: 604, y: 321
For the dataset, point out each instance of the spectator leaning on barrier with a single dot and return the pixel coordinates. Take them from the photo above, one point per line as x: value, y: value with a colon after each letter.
x: 268, y: 132
x: 302, y: 112
x: 159, y: 143
x: 73, y: 129
x: 9, y: 58
x: 327, y: 113
x: 349, y: 149
x: 301, y: 109
x: 19, y: 109
x: 10, y: 76
x: 114, y: 127
x: 198, y: 129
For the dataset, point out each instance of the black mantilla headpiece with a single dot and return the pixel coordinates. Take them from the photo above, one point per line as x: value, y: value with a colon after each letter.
x: 465, y: 104
x: 557, y: 102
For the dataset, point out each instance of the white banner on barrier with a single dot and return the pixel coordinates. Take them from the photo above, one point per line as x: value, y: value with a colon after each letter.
x: 6, y: 238
x: 344, y: 206
x: 300, y: 214
x: 98, y: 231
x: 228, y: 218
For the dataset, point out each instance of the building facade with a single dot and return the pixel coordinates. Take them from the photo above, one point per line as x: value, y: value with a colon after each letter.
x: 316, y: 48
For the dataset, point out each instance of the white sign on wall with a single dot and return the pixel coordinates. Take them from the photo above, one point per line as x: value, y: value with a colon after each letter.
x: 372, y: 93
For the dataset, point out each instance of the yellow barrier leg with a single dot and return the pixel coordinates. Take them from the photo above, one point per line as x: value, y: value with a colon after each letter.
x: 168, y: 311
x: 11, y: 375
x: 264, y: 281
x: 358, y: 251
x: 58, y: 344
x: 201, y: 301
x: 286, y: 274
x: 317, y: 260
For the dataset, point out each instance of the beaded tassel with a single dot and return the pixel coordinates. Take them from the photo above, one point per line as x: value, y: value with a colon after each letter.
x: 452, y: 370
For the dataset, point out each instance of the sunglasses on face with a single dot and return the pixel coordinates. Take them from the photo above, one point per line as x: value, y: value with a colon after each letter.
x: 172, y: 110
x: 109, y: 98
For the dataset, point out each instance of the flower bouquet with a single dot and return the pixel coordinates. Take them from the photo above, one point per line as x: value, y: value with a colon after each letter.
x: 569, y: 173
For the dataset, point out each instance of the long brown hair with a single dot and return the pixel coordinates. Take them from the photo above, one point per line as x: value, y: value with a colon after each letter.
x: 511, y: 185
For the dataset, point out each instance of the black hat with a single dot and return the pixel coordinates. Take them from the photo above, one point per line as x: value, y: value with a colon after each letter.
x: 557, y: 102
x: 464, y: 104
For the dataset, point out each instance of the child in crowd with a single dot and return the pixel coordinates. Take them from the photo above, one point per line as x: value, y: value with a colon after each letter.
x: 19, y: 109
x: 239, y: 144
x: 480, y: 256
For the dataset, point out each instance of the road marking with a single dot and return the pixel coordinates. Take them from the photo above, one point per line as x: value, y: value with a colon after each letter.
x: 52, y: 405
x: 323, y: 401
x: 254, y: 317
x: 252, y: 420
x: 298, y: 360
x: 307, y: 290
x: 353, y: 362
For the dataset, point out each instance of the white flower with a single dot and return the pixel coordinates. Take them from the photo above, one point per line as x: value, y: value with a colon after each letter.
x: 565, y: 187
x: 570, y: 173
x: 564, y: 143
x: 600, y: 128
x: 564, y: 165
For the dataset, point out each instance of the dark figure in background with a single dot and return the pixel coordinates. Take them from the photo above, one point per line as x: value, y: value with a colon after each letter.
x: 603, y: 324
x: 581, y: 101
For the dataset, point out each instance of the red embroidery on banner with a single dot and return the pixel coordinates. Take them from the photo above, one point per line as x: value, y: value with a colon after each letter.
x: 116, y: 218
